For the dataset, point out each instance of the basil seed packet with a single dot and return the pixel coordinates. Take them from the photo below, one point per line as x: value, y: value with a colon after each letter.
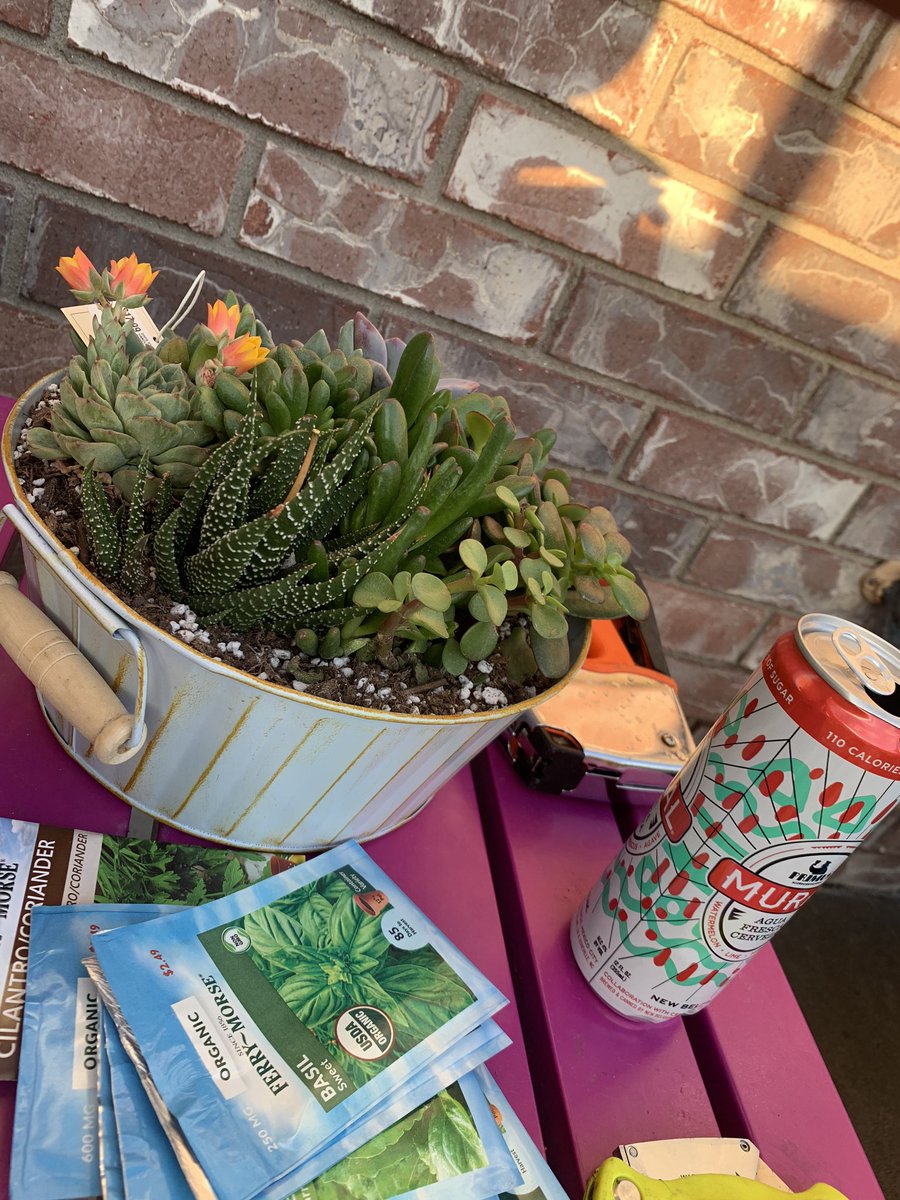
x: 273, y: 1019
x: 448, y: 1148
x: 112, y: 1184
x: 538, y: 1181
x: 149, y: 1166
x: 54, y: 1152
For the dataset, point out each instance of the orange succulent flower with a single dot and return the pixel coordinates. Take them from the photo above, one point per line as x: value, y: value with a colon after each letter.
x: 244, y: 353
x: 221, y: 319
x: 136, y: 276
x: 76, y: 270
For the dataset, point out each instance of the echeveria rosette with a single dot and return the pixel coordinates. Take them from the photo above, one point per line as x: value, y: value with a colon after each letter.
x: 114, y: 407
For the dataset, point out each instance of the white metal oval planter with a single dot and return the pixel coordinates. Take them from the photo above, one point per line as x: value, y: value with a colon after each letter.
x: 227, y: 756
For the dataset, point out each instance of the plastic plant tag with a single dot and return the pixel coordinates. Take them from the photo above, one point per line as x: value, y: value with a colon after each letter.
x: 112, y: 1184
x: 538, y: 1181
x: 81, y: 317
x: 449, y: 1148
x: 149, y: 1166
x: 54, y: 1153
x: 272, y: 1020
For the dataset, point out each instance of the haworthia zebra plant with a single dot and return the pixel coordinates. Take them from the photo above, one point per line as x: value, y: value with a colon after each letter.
x: 410, y: 522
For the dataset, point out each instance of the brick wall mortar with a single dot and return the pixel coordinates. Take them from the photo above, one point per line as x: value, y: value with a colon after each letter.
x: 861, y: 59
x: 243, y: 185
x: 695, y: 27
x: 474, y: 82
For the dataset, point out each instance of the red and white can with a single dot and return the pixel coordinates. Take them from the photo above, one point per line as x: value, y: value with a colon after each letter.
x: 789, y: 781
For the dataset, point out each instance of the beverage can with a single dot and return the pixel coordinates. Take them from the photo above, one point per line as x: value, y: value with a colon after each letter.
x: 791, y: 778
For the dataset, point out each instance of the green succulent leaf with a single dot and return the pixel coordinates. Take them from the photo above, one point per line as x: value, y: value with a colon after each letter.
x: 489, y: 604
x: 593, y: 543
x: 630, y: 596
x: 507, y: 499
x: 431, y: 619
x: 547, y: 621
x: 372, y: 591
x: 453, y: 660
x: 551, y: 654
x: 474, y: 556
x: 517, y: 537
x: 479, y: 641
x: 431, y: 591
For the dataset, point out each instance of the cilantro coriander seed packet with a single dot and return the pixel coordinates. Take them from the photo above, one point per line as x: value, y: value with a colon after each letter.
x: 272, y: 1020
x: 55, y: 1130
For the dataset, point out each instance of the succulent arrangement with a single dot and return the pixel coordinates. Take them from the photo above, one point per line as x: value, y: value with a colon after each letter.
x: 347, y: 496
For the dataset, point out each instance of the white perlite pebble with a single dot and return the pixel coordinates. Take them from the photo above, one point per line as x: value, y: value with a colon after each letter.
x: 299, y: 686
x: 370, y: 689
x: 383, y: 693
x: 493, y: 696
x: 262, y: 675
x: 346, y: 672
x: 340, y: 662
x: 485, y: 667
x: 464, y: 680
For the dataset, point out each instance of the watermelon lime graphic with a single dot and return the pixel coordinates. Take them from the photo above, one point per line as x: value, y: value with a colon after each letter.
x: 784, y: 787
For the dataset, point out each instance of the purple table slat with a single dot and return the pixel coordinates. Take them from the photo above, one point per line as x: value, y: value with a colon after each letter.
x: 781, y: 1096
x: 440, y: 860
x: 603, y: 1080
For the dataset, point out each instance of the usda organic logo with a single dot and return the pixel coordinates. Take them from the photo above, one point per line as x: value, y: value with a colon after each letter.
x: 235, y: 940
x: 364, y: 1032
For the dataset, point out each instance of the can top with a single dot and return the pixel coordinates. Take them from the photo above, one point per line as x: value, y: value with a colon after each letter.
x: 861, y: 666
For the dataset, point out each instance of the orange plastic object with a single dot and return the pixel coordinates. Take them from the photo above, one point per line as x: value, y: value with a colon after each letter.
x: 609, y: 653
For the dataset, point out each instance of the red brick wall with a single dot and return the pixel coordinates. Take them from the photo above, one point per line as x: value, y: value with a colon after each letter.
x: 670, y: 230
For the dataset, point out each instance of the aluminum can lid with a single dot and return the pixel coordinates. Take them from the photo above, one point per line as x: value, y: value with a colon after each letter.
x: 859, y: 665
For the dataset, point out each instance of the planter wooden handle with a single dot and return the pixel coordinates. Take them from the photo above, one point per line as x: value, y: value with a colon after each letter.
x: 62, y: 674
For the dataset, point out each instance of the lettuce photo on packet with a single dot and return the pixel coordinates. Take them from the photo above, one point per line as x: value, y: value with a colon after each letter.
x: 449, y: 1148
x: 55, y: 1131
x: 276, y: 1019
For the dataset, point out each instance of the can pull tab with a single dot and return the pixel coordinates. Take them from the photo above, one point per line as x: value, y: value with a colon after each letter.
x: 863, y: 662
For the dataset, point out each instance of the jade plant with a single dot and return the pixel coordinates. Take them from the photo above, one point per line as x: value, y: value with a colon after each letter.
x: 348, y: 497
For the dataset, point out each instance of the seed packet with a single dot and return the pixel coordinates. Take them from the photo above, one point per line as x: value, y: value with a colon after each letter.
x: 538, y: 1181
x: 44, y: 864
x: 448, y: 1148
x: 469, y: 1052
x: 309, y: 1000
x: 149, y: 1166
x: 54, y: 1152
x: 112, y: 1184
